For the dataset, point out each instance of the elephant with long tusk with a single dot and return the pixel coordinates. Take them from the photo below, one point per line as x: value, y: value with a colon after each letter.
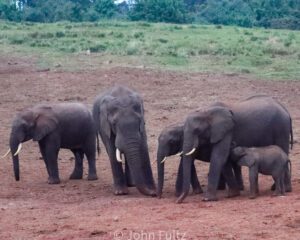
x: 119, y: 119
x: 55, y: 126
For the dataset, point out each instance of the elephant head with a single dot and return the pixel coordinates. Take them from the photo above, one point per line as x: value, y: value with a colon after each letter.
x: 169, y: 143
x: 204, y: 128
x: 34, y: 123
x: 121, y: 121
x: 243, y: 156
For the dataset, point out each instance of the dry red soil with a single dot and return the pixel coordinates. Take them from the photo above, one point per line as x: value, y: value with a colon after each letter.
x: 80, y: 209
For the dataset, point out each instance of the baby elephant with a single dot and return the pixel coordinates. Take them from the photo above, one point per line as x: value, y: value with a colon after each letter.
x: 270, y: 160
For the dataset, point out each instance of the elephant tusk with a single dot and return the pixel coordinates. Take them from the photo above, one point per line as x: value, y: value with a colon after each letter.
x: 18, y: 150
x: 118, y: 155
x: 179, y: 154
x: 191, y: 152
x: 6, y: 154
x: 165, y: 158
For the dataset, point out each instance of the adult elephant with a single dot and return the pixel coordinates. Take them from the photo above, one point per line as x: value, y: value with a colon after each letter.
x: 119, y: 119
x: 55, y: 126
x: 256, y: 121
x: 170, y: 143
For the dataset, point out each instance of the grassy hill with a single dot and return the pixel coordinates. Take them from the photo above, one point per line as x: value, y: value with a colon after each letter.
x: 264, y: 53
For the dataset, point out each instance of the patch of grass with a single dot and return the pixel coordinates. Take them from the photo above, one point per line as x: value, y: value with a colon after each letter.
x: 162, y: 40
x: 60, y: 34
x: 264, y: 53
x: 98, y: 48
x: 138, y: 35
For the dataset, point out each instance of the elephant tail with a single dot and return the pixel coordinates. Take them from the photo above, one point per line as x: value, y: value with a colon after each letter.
x: 289, y: 166
x: 98, y: 145
x: 291, y: 133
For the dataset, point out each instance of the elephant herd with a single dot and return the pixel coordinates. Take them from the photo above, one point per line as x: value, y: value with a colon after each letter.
x: 213, y: 134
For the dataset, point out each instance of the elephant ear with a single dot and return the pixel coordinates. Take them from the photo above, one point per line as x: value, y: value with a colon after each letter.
x: 221, y: 123
x: 45, y: 123
x: 248, y: 161
x: 142, y: 123
x: 104, y: 123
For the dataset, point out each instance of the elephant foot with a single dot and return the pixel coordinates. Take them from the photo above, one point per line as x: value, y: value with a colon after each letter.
x: 277, y: 194
x: 241, y: 187
x: 76, y: 175
x: 177, y: 194
x: 120, y: 190
x: 181, y: 198
x: 273, y: 187
x: 92, y: 177
x: 159, y: 194
x: 210, y: 197
x: 197, y: 191
x: 147, y: 191
x: 288, y: 188
x: 233, y: 193
x: 52, y: 180
x: 221, y: 187
x: 129, y: 184
x: 252, y: 196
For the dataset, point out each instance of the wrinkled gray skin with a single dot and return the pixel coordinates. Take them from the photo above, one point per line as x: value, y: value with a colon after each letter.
x: 170, y: 143
x: 55, y: 126
x: 270, y: 160
x: 255, y: 122
x: 119, y: 119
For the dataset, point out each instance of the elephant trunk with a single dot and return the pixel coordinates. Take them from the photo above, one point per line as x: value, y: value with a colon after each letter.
x: 160, y: 173
x: 187, y: 161
x: 140, y: 167
x: 14, y: 146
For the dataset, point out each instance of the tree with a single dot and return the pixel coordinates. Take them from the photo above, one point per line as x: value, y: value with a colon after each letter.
x: 9, y: 11
x: 106, y: 8
x: 173, y: 11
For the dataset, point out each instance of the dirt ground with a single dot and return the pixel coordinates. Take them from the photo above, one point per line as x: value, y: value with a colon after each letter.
x: 81, y: 209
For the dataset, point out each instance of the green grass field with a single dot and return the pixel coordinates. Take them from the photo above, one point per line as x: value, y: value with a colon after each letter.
x: 263, y: 53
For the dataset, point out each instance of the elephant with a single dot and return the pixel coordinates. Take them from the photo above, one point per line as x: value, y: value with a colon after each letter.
x: 170, y: 143
x: 270, y: 160
x: 119, y: 119
x: 254, y: 122
x: 55, y: 126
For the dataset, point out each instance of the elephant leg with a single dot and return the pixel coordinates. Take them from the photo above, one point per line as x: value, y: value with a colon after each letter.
x: 128, y: 176
x: 90, y: 152
x: 50, y: 149
x: 187, y: 165
x: 253, y: 179
x: 282, y: 184
x: 179, y: 179
x: 282, y: 139
x: 233, y: 189
x: 195, y: 182
x: 42, y: 150
x: 219, y: 157
x: 256, y: 184
x: 287, y: 180
x: 78, y: 168
x: 287, y: 183
x: 222, y: 183
x: 120, y: 185
x: 278, y: 185
x: 238, y: 175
